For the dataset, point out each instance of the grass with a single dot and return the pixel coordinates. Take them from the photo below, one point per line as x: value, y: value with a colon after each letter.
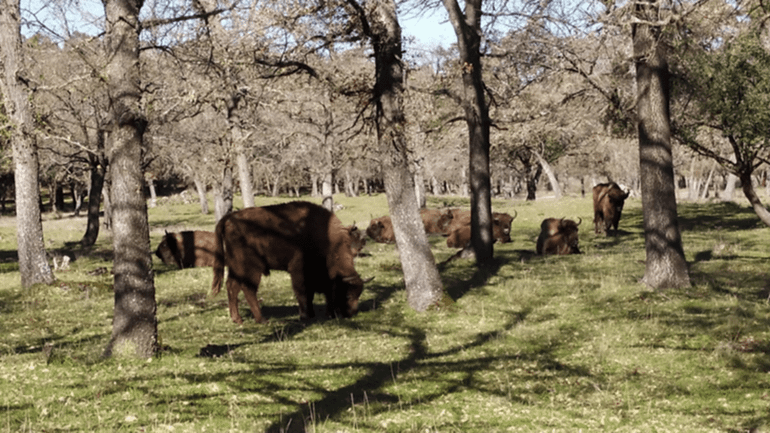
x: 570, y: 343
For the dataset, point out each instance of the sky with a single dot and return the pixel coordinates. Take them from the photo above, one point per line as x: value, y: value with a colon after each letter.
x: 429, y: 30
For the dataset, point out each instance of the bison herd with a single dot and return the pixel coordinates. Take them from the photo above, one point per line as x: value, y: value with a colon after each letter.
x: 318, y: 252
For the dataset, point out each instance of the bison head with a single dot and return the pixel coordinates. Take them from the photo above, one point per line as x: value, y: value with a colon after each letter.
x: 168, y: 251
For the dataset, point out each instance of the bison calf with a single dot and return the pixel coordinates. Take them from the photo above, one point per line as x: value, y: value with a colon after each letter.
x: 558, y: 236
x: 302, y: 238
x: 608, y: 205
x: 187, y: 249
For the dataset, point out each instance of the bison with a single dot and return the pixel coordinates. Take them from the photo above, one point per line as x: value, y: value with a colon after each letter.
x: 460, y: 230
x: 357, y: 239
x: 558, y: 236
x: 609, y: 199
x: 187, y: 249
x: 302, y: 238
x: 436, y: 221
x: 381, y: 230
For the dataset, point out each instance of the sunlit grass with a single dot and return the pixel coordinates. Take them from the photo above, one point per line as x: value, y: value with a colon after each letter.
x: 539, y: 344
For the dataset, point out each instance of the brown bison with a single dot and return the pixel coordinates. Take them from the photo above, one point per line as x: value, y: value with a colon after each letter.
x: 460, y: 230
x: 381, y: 230
x: 436, y: 221
x: 187, y: 249
x: 302, y: 238
x: 558, y: 236
x: 357, y: 239
x: 609, y: 199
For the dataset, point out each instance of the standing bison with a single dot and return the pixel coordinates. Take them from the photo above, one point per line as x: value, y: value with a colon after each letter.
x: 608, y: 205
x: 187, y: 249
x: 302, y: 238
x: 558, y: 236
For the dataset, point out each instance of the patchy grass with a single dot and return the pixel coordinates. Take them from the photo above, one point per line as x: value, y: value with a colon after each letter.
x: 538, y: 344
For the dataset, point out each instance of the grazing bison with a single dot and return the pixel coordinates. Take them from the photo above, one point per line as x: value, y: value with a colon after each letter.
x: 608, y: 205
x: 460, y: 229
x: 302, y: 238
x: 187, y: 249
x: 558, y: 236
x: 381, y: 230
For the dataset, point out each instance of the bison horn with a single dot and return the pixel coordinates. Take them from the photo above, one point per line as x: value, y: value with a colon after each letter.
x: 580, y: 220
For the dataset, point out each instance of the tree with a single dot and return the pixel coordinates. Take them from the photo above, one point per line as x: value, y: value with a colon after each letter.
x: 423, y: 283
x: 134, y: 326
x: 727, y: 90
x: 467, y: 26
x: 665, y: 265
x: 33, y: 264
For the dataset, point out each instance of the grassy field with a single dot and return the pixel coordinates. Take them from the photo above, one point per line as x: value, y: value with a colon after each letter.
x: 561, y: 344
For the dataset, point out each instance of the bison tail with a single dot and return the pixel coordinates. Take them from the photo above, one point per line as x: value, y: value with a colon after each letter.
x: 219, y: 257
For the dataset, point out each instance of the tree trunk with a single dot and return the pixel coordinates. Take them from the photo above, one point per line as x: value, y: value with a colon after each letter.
x: 153, y: 195
x: 751, y: 195
x: 244, y: 174
x: 421, y: 277
x: 134, y: 325
x: 107, y: 220
x: 467, y: 27
x: 548, y: 170
x: 200, y: 188
x: 729, y: 192
x: 665, y: 265
x: 98, y: 171
x: 33, y: 264
x: 327, y: 192
x: 223, y: 194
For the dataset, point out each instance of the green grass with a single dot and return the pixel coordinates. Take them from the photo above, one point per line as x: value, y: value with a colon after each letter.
x: 557, y: 344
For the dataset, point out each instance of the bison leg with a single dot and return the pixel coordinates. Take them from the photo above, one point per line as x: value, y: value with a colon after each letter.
x: 233, y: 287
x: 250, y: 293
x: 304, y: 296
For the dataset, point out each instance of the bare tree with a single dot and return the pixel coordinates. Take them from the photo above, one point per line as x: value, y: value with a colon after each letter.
x: 423, y: 283
x: 467, y: 26
x: 134, y: 326
x: 33, y: 264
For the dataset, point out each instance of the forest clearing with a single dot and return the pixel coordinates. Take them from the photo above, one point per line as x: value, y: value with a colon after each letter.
x: 556, y: 343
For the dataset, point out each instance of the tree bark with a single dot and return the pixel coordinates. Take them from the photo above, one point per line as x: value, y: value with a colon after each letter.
x: 751, y: 195
x: 98, y: 171
x: 423, y: 282
x: 134, y: 325
x: 33, y: 264
x: 223, y: 193
x: 467, y: 27
x: 548, y: 170
x: 665, y: 265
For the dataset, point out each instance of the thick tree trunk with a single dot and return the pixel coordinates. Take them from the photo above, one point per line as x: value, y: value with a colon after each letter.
x: 467, y: 27
x: 423, y: 282
x: 33, y: 264
x: 134, y: 325
x: 665, y: 265
x: 98, y: 172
